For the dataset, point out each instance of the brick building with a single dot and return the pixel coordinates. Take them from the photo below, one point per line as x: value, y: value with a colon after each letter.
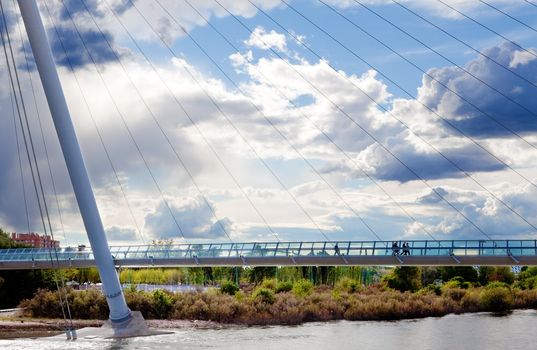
x: 35, y: 240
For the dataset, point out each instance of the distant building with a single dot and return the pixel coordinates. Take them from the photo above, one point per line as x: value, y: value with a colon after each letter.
x: 35, y: 240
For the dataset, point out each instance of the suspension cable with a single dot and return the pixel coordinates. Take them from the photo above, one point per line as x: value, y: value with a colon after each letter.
x: 158, y: 124
x: 125, y: 124
x: 374, y: 138
x: 446, y: 86
x: 32, y: 160
x: 317, y: 126
x: 531, y: 3
x: 430, y: 109
x: 45, y: 148
x: 512, y: 17
x: 213, y: 101
x: 489, y: 28
x: 465, y: 44
x: 16, y: 129
x: 194, y: 124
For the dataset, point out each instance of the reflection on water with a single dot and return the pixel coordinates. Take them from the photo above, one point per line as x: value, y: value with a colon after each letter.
x: 471, y: 331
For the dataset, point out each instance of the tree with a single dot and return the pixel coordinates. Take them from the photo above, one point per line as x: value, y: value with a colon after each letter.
x: 404, y: 278
x: 468, y: 273
x: 18, y: 285
x: 259, y: 273
x: 495, y: 274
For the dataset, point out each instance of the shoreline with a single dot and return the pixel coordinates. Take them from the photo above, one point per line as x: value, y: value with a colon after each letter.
x: 24, y: 327
x: 38, y: 327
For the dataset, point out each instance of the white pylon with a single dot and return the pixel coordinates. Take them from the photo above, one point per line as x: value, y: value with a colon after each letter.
x: 119, y: 311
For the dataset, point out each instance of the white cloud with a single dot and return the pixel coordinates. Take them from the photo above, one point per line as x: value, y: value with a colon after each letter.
x: 488, y: 213
x: 264, y: 40
x: 233, y: 209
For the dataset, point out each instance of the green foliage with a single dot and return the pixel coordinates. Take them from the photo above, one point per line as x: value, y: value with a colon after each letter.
x: 497, y: 284
x: 7, y: 242
x: 302, y: 288
x: 496, y: 299
x: 269, y: 283
x: 467, y: 273
x: 430, y: 275
x: 432, y: 288
x: 262, y: 306
x: 264, y: 295
x: 457, y: 282
x: 404, y: 278
x: 228, y: 287
x: 162, y: 303
x: 259, y: 273
x: 348, y: 285
x: 283, y: 287
x: 489, y: 274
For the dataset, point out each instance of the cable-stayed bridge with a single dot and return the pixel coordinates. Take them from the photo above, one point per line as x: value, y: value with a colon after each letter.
x: 429, y: 253
x: 464, y: 146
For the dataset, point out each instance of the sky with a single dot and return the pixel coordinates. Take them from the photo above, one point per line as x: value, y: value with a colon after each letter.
x: 247, y: 120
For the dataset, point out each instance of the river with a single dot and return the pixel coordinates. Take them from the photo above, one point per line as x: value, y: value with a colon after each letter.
x: 469, y: 331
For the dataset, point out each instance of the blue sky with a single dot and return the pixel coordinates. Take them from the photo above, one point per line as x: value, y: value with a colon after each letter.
x: 276, y: 141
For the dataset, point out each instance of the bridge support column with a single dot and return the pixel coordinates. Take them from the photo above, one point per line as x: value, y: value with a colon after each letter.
x: 120, y: 314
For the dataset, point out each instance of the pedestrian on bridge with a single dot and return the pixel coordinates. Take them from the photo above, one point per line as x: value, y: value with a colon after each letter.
x: 395, y: 248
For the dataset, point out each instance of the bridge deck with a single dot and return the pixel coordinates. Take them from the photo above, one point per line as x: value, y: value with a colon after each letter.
x: 428, y: 253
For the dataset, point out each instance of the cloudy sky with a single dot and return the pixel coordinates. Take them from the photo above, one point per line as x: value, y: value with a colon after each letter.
x: 219, y: 120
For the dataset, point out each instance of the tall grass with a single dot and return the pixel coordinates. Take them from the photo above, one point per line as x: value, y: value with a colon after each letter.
x: 303, y: 303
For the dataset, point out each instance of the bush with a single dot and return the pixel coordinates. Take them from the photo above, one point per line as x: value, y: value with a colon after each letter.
x: 302, y: 288
x: 455, y: 294
x: 431, y: 288
x: 162, y: 303
x: 348, y: 285
x: 264, y: 295
x: 229, y: 287
x: 270, y: 283
x: 496, y: 299
x: 282, y: 287
x: 471, y: 301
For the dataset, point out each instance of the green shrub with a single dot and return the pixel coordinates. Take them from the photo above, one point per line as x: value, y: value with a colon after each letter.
x: 497, y: 284
x: 229, y: 287
x: 264, y: 295
x: 269, y: 283
x: 302, y: 288
x: 348, y: 285
x: 431, y: 288
x: 140, y: 301
x: 282, y: 287
x: 162, y: 303
x: 496, y: 299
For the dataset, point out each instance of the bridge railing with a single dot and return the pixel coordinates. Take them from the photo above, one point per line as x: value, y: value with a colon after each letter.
x: 285, y: 249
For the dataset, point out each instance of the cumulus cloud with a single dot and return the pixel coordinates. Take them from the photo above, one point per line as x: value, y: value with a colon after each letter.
x: 194, y: 221
x: 488, y: 213
x: 70, y: 48
x: 258, y: 75
x: 468, y: 118
x: 264, y: 40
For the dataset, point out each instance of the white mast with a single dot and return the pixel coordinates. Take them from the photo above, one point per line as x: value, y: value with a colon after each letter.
x: 119, y: 311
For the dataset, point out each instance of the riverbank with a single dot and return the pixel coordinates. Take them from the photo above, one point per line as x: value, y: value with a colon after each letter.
x: 25, y: 327
x: 273, y: 304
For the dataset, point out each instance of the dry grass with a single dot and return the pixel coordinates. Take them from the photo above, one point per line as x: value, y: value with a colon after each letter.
x: 256, y: 307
